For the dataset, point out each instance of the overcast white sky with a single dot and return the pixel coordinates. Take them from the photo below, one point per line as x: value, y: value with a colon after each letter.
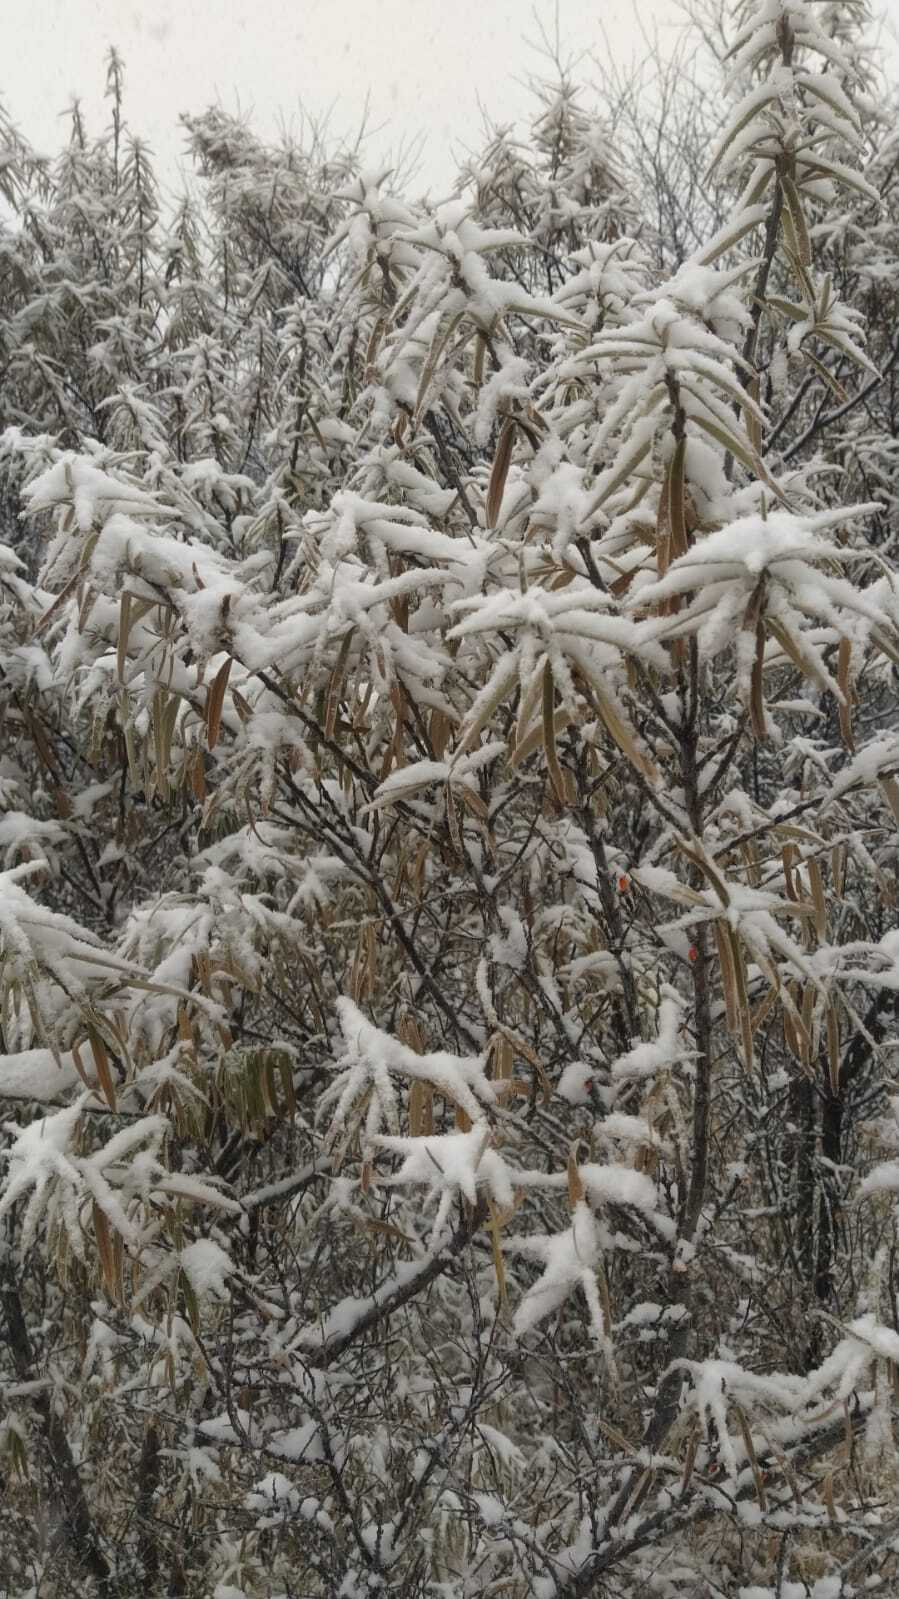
x: 424, y: 63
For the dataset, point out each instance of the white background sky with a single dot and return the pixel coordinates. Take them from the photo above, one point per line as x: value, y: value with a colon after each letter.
x: 424, y: 63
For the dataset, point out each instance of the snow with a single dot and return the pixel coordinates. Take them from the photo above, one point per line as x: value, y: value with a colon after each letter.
x: 275, y: 1495
x: 343, y: 1318
x: 451, y: 1164
x: 94, y: 493
x: 372, y: 1055
x: 27, y: 836
x: 576, y: 1083
x: 510, y: 948
x: 884, y: 1178
x: 647, y: 1058
x: 491, y: 1510
x: 207, y: 1267
x: 470, y: 784
x: 221, y: 1429
x: 39, y: 1150
x: 501, y: 1446
x: 781, y: 545
x: 620, y: 1185
x: 37, y: 1074
x: 410, y: 780
x: 569, y: 1260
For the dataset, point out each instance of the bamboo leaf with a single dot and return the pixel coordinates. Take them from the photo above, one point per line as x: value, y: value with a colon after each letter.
x: 616, y: 726
x: 793, y: 646
x: 103, y: 1068
x: 336, y: 684
x: 696, y: 854
x: 499, y: 472
x: 744, y: 1011
x: 215, y: 699
x: 676, y: 485
x: 844, y: 702
x: 549, y: 736
x: 110, y: 1258
x: 725, y: 961
x: 816, y: 882
x: 889, y: 788
x: 190, y: 1301
x: 757, y: 715
x: 833, y: 1047
x: 497, y: 1251
x: 124, y: 630
x: 753, y: 110
x: 575, y: 1185
x: 751, y: 1457
x: 826, y: 377
x: 561, y: 719
x: 627, y: 461
x: 487, y: 702
x: 797, y: 218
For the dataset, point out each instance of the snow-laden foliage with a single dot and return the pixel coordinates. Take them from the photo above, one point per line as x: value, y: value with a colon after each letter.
x: 448, y: 807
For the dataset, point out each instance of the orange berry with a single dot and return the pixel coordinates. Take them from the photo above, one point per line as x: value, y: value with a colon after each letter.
x: 624, y: 884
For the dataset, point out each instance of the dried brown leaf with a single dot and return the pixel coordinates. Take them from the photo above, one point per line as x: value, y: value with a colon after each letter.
x: 215, y: 699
